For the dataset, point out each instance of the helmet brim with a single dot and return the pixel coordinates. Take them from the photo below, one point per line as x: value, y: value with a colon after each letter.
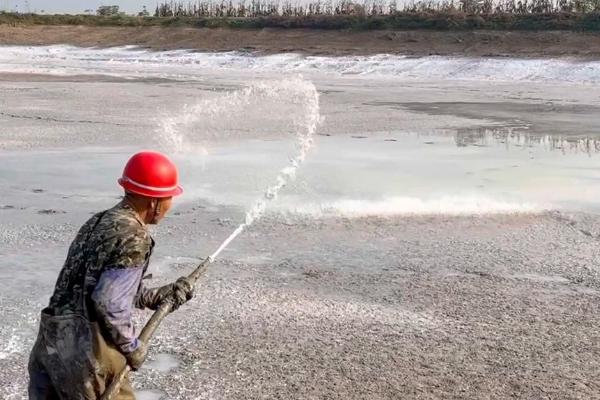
x: 132, y: 188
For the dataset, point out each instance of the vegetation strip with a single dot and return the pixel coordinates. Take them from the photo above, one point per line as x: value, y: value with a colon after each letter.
x: 576, y: 15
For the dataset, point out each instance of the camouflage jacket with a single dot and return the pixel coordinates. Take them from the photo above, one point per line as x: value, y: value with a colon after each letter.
x: 101, y: 278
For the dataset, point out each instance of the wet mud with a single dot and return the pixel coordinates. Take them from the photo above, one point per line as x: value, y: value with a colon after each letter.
x: 426, y: 249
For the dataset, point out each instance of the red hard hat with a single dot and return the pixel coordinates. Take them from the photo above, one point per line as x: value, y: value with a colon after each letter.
x: 151, y: 174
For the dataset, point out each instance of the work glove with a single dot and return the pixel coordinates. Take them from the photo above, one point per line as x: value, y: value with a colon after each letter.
x: 183, y: 291
x: 136, y: 358
x: 178, y: 293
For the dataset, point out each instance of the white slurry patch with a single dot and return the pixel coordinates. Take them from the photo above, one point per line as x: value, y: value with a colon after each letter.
x: 134, y: 62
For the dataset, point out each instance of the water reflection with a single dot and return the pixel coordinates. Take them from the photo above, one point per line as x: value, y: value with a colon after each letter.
x: 512, y: 137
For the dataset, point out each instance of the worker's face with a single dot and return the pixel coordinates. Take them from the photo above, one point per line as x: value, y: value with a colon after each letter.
x: 161, y: 209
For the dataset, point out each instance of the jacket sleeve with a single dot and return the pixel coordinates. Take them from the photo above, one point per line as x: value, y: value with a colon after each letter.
x: 117, y: 288
x: 113, y: 299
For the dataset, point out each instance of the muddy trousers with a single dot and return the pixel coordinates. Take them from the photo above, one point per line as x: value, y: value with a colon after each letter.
x: 46, y: 383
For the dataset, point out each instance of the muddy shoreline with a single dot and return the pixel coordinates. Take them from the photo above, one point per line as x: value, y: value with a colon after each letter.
x: 316, y: 42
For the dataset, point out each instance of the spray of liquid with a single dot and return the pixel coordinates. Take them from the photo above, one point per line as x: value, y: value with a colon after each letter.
x: 300, y: 93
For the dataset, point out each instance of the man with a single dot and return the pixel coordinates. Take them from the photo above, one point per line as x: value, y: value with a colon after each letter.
x: 86, y: 333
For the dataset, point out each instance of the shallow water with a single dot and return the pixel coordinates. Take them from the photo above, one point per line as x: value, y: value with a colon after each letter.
x: 162, y: 362
x: 150, y: 395
x: 394, y: 173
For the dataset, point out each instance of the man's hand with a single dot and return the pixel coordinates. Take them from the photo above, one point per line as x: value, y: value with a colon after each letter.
x: 136, y: 358
x: 176, y: 293
x: 183, y: 291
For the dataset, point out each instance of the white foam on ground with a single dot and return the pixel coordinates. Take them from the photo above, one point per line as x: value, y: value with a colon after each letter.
x: 133, y: 62
x: 446, y: 205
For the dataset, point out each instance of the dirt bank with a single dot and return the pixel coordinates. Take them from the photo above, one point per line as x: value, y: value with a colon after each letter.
x: 315, y: 42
